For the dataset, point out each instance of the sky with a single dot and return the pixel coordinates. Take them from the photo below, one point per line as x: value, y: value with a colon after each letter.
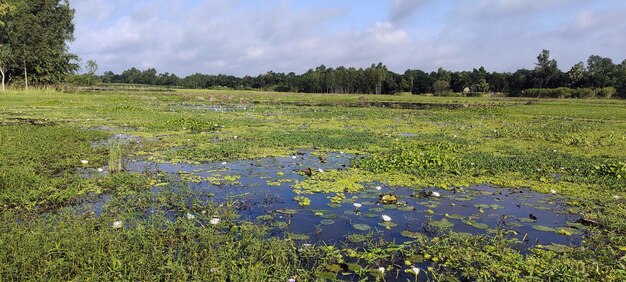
x: 250, y: 37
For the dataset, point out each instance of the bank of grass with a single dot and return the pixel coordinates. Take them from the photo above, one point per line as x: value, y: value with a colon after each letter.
x: 575, y: 147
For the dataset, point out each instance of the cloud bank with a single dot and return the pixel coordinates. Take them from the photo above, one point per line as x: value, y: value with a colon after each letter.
x: 251, y: 37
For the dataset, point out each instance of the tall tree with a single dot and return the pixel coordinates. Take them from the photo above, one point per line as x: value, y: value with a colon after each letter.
x: 601, y: 70
x: 546, y: 70
x: 37, y: 32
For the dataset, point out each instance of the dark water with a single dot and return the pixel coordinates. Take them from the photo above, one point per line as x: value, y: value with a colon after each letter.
x: 532, y: 218
x: 475, y: 209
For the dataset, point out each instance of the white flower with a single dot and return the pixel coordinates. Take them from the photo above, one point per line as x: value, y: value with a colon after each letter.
x: 616, y: 197
x: 472, y: 164
x: 306, y: 245
x: 214, y: 221
x: 190, y: 216
x: 236, y: 137
x: 358, y: 205
x: 416, y: 270
x: 100, y: 169
x: 553, y: 191
x: 379, y: 188
x: 381, y: 269
x: 224, y: 163
x: 386, y: 218
x: 320, y: 170
x: 436, y: 194
x: 117, y: 224
x: 341, y: 152
x: 294, y: 157
x: 84, y: 161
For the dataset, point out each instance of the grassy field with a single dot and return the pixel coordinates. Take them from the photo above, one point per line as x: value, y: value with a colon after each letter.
x: 573, y: 148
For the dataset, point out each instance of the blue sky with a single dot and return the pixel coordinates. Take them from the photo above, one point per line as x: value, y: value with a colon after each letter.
x: 242, y: 37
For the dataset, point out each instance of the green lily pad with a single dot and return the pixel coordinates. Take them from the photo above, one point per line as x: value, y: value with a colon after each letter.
x: 455, y: 216
x: 543, y: 228
x: 327, y: 222
x: 281, y: 224
x: 329, y: 215
x: 444, y: 223
x: 476, y: 224
x: 526, y: 220
x: 357, y: 238
x: 388, y: 224
x: 265, y: 217
x: 557, y: 248
x: 287, y: 211
x: 377, y: 210
x: 577, y: 225
x: 334, y: 205
x: 406, y: 209
x: 368, y: 203
x: 296, y: 236
x: 361, y: 227
x: 370, y: 215
x: 389, y: 207
x: 348, y: 212
x: 413, y: 235
x: 568, y: 231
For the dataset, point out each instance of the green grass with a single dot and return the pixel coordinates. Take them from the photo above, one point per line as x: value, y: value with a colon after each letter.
x: 576, y: 147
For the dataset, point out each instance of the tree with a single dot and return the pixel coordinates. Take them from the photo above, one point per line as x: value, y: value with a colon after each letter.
x: 546, y: 70
x: 577, y: 75
x: 5, y: 57
x: 601, y: 70
x: 37, y: 32
x: 441, y: 86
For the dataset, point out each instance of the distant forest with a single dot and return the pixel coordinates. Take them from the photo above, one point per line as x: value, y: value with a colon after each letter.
x: 599, y: 78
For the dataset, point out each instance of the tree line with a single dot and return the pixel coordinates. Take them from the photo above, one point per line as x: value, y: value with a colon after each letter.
x: 598, y: 77
x: 33, y: 50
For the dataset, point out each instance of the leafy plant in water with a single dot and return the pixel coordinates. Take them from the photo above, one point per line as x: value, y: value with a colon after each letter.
x: 115, y: 158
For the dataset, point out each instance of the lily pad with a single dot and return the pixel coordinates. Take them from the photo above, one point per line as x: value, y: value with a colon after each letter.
x: 455, y: 216
x: 265, y: 217
x: 568, y: 231
x: 281, y: 224
x: 389, y: 207
x: 334, y: 205
x: 370, y: 215
x: 476, y: 224
x: 329, y: 216
x: 287, y: 211
x: 357, y: 238
x: 406, y: 209
x: 412, y: 235
x: 296, y: 236
x: 361, y: 227
x: 388, y: 224
x: 543, y: 228
x: 377, y: 210
x: 444, y: 223
x: 327, y: 222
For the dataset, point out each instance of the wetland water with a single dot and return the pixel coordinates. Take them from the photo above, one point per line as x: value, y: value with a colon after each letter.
x: 263, y: 189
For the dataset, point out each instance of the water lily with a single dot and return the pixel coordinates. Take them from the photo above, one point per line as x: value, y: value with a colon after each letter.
x: 320, y: 170
x: 214, y: 221
x: 84, y: 162
x: 435, y: 194
x: 381, y: 270
x: 100, y: 169
x: 341, y: 152
x: 190, y: 216
x: 291, y: 280
x: 616, y: 197
x: 379, y: 188
x: 416, y: 270
x: 358, y: 205
x: 386, y: 218
x: 117, y: 224
x: 553, y: 192
x: 294, y: 157
x: 224, y: 163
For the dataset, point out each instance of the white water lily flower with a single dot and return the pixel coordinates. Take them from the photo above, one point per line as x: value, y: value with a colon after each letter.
x: 224, y: 163
x: 236, y: 137
x: 436, y: 194
x: 214, y: 221
x: 381, y: 269
x: 386, y: 218
x: 190, y: 216
x: 294, y: 157
x: 84, y: 161
x: 320, y: 170
x: 117, y: 224
x: 100, y: 169
x: 358, y: 205
x: 553, y: 191
x: 379, y: 188
x: 341, y: 152
x: 416, y: 270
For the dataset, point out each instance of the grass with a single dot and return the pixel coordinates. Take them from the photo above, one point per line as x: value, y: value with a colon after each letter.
x: 575, y: 147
